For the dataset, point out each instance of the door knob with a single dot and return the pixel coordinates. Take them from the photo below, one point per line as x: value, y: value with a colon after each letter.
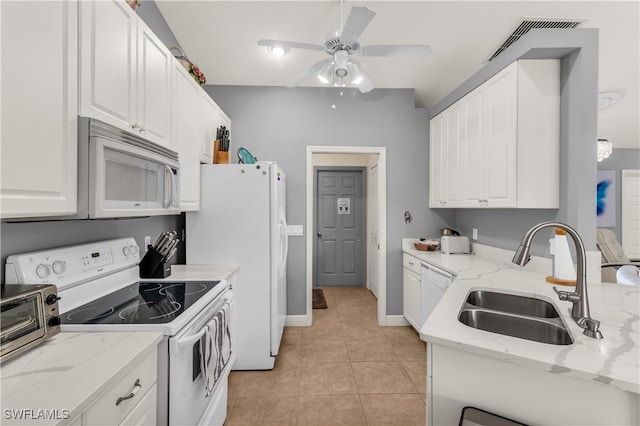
x: 319, y: 234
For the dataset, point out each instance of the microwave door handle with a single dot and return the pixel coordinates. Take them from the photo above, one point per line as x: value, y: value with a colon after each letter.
x: 172, y: 184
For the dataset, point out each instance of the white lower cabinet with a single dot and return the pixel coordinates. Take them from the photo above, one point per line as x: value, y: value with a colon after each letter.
x: 457, y: 379
x: 132, y: 400
x: 411, y: 290
x: 498, y: 146
x: 39, y: 49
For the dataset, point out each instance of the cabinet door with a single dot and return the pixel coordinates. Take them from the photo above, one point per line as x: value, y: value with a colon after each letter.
x: 186, y: 135
x: 411, y: 298
x: 500, y: 145
x: 211, y: 120
x: 474, y: 157
x: 453, y: 156
x: 437, y: 179
x: 154, y: 86
x: 108, y: 62
x: 39, y: 108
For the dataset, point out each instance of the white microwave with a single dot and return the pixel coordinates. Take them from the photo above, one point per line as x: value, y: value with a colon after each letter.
x: 123, y: 175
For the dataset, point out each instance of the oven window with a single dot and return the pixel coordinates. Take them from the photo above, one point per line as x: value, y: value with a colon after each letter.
x: 19, y: 318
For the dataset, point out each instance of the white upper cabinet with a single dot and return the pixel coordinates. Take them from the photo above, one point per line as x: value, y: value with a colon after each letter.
x: 154, y: 86
x: 39, y: 108
x: 124, y: 71
x: 498, y: 146
x: 187, y: 135
x: 212, y: 118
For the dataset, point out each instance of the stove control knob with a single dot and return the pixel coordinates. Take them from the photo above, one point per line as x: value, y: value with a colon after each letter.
x: 43, y: 270
x: 51, y: 299
x: 59, y: 266
x: 53, y: 321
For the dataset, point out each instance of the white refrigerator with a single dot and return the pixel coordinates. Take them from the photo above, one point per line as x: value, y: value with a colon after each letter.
x: 242, y: 220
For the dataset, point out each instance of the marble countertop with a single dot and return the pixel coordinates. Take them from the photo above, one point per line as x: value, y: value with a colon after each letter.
x: 613, y: 361
x: 67, y: 372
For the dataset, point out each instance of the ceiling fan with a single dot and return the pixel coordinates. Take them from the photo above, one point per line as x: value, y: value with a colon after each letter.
x: 341, y: 45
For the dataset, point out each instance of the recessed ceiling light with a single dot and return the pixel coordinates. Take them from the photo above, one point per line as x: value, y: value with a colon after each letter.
x: 277, y: 50
x: 607, y: 99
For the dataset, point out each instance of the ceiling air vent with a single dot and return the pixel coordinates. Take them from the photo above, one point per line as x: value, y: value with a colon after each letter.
x: 527, y: 24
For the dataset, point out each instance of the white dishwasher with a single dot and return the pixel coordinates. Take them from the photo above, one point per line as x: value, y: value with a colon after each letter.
x: 435, y: 282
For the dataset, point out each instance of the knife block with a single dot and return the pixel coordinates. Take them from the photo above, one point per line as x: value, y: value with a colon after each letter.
x: 152, y: 266
x: 223, y: 157
x: 216, y: 150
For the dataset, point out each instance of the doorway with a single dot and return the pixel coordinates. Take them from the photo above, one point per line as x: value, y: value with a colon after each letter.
x: 373, y: 159
x: 340, y: 222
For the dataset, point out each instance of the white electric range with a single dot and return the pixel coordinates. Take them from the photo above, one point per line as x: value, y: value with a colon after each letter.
x: 100, y: 290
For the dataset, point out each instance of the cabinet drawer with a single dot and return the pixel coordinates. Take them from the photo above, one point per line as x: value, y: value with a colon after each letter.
x: 145, y: 412
x: 411, y: 263
x: 105, y: 411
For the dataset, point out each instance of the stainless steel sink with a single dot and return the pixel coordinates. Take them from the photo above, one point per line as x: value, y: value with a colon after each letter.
x: 512, y: 303
x: 516, y: 316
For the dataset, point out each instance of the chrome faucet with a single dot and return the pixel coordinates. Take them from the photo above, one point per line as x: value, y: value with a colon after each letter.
x: 580, y: 310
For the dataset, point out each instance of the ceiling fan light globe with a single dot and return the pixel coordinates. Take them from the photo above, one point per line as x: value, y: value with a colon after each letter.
x: 277, y: 50
x: 325, y: 73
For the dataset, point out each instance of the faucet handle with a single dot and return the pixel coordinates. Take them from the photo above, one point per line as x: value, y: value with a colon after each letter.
x: 562, y: 295
x: 565, y: 295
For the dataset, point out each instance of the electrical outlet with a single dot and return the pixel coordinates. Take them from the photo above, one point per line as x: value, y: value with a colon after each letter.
x: 475, y: 234
x: 147, y: 242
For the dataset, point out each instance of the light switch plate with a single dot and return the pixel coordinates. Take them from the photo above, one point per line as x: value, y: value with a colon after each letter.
x: 295, y: 230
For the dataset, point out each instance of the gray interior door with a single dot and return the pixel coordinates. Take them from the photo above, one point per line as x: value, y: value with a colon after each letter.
x: 340, y: 229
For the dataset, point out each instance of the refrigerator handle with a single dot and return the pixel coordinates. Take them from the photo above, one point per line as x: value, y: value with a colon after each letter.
x: 283, y: 223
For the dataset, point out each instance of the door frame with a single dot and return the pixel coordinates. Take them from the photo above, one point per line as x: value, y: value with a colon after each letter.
x: 380, y: 152
x: 362, y: 170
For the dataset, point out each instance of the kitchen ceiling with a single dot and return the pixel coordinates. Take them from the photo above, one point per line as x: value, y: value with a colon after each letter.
x: 221, y: 36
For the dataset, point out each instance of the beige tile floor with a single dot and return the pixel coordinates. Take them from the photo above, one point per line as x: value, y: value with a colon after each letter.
x: 343, y: 370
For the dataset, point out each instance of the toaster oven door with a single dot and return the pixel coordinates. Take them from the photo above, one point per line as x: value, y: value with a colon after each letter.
x: 21, y: 322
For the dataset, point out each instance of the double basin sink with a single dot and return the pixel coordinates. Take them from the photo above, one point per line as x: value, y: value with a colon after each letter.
x: 523, y: 317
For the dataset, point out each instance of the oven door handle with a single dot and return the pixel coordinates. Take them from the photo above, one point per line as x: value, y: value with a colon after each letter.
x: 187, y: 341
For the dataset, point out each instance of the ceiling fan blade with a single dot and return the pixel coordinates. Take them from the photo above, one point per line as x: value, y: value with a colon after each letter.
x: 290, y: 44
x: 315, y: 68
x: 357, y: 21
x: 396, y: 50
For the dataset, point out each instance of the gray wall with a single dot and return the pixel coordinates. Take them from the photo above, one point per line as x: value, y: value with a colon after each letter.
x: 150, y: 14
x: 578, y: 51
x: 620, y: 159
x: 276, y: 123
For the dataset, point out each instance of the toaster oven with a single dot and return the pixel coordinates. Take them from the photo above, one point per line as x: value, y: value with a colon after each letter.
x: 29, y: 316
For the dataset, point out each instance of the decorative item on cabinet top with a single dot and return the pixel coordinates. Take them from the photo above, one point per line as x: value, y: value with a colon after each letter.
x: 134, y: 3
x: 193, y: 69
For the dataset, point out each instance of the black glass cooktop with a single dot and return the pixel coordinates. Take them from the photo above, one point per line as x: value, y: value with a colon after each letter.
x: 141, y: 303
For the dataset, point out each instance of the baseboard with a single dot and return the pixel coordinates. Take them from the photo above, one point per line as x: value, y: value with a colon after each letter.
x: 297, y: 321
x: 396, y: 321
